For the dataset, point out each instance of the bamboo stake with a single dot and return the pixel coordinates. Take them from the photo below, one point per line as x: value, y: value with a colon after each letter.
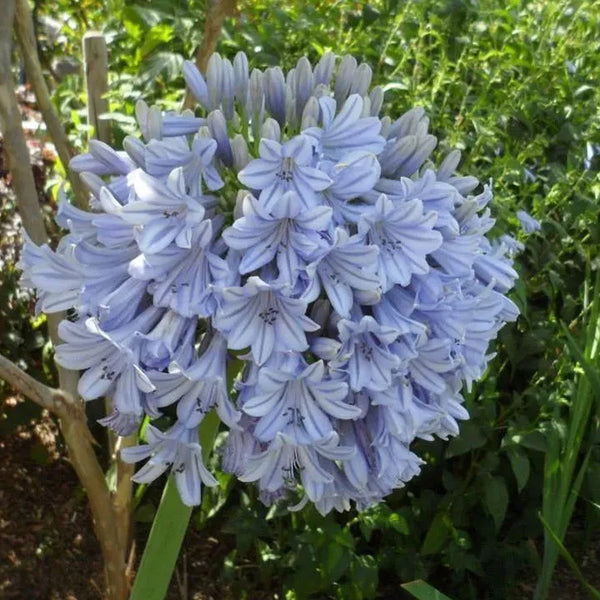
x: 95, y: 58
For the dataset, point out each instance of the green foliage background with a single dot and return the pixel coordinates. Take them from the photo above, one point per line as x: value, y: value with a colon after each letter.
x: 514, y: 85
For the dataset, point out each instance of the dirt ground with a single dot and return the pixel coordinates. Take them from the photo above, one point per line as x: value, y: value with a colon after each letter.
x: 48, y: 550
x: 47, y: 546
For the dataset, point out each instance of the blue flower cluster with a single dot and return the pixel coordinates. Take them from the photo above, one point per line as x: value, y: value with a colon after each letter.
x: 291, y: 229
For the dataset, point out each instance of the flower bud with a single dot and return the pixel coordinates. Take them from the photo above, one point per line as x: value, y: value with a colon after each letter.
x: 271, y: 130
x: 386, y: 126
x: 449, y: 165
x: 424, y: 147
x: 362, y: 80
x: 214, y: 79
x: 303, y: 84
x: 240, y: 77
x: 376, y: 97
x: 218, y: 129
x: 227, y: 89
x: 290, y: 107
x: 92, y: 182
x: 275, y: 94
x: 256, y: 94
x: 366, y: 109
x: 344, y: 78
x: 136, y: 149
x: 324, y: 69
x: 195, y: 82
x: 239, y: 149
x: 310, y: 115
x: 407, y: 123
x: 240, y: 199
x: 149, y: 120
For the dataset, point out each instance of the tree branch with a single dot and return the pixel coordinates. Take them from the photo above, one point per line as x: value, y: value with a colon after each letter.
x: 47, y: 397
x: 218, y: 11
x: 23, y: 23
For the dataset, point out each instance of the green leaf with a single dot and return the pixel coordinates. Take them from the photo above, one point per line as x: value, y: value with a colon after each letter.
x: 471, y: 437
x: 157, y: 35
x: 437, y: 534
x: 165, y: 63
x: 594, y: 593
x: 162, y: 549
x: 421, y: 590
x: 534, y: 440
x: 496, y: 499
x: 591, y: 372
x: 337, y: 561
x: 398, y: 523
x: 365, y: 574
x: 520, y: 466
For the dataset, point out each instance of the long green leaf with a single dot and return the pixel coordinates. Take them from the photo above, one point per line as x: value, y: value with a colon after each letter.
x: 570, y: 560
x: 168, y: 530
x: 421, y: 590
x: 591, y: 371
x: 561, y: 482
x: 162, y: 548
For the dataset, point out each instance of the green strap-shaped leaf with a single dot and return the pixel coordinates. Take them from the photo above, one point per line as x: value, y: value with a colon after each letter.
x: 168, y: 530
x: 162, y: 549
x: 421, y: 590
x: 594, y: 593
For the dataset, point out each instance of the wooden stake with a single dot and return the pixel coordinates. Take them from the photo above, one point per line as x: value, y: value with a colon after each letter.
x: 95, y: 58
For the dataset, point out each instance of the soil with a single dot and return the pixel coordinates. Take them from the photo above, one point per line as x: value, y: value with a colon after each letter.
x: 47, y: 547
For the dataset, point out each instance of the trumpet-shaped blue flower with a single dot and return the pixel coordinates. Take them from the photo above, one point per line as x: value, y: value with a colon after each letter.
x: 178, y: 450
x: 365, y: 354
x: 299, y: 404
x: 405, y: 237
x: 350, y: 265
x: 259, y: 315
x: 196, y: 162
x: 287, y: 232
x: 348, y: 131
x: 165, y: 211
x: 276, y: 467
x: 282, y: 168
x: 197, y: 388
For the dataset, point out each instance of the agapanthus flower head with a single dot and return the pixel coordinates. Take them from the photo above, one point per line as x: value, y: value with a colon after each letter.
x: 284, y: 226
